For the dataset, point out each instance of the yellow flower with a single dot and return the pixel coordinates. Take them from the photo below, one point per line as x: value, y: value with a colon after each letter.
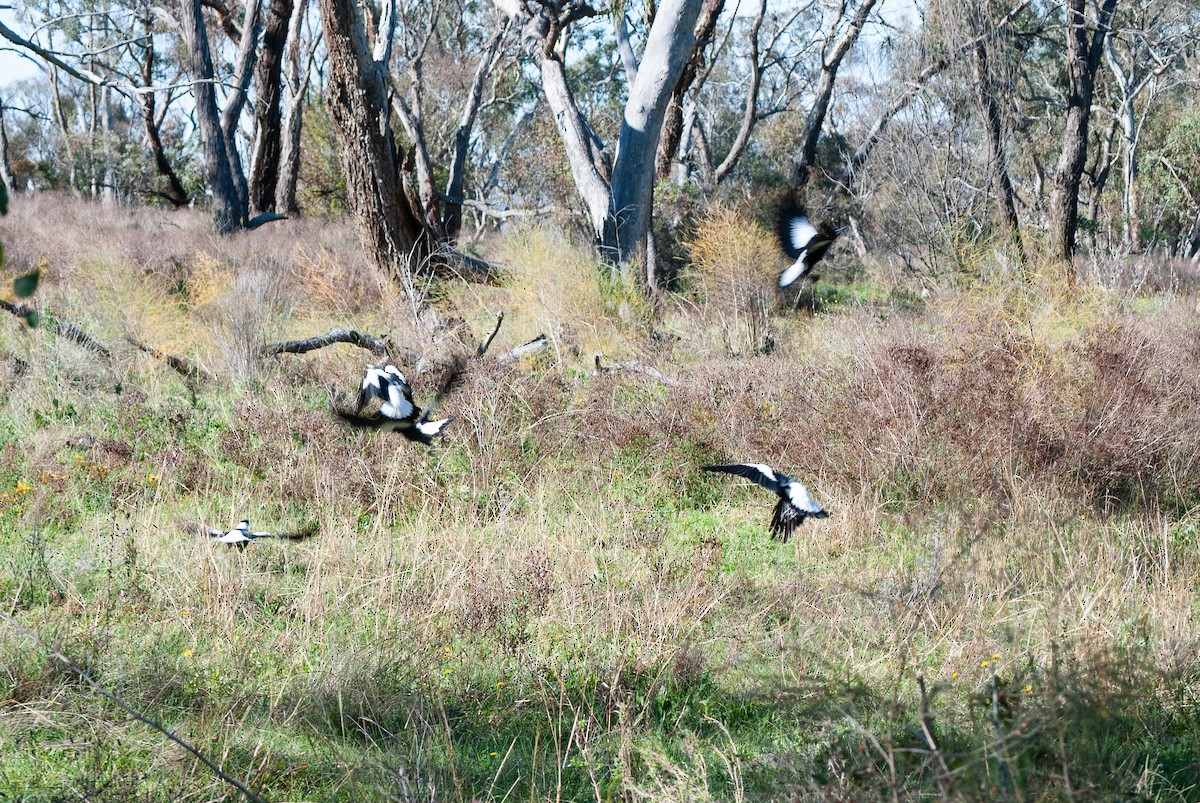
x: 499, y: 684
x: 492, y: 754
x: 23, y: 488
x: 954, y: 674
x: 995, y: 656
x: 187, y: 653
x: 445, y: 671
x: 152, y: 479
x: 183, y: 613
x: 983, y: 663
x: 1029, y: 687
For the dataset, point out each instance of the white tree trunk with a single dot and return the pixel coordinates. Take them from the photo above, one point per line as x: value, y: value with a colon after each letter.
x: 668, y: 47
x: 576, y: 137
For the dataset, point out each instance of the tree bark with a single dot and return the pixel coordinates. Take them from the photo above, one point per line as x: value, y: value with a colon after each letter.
x: 232, y: 114
x: 357, y: 95
x: 229, y: 208
x: 6, y: 173
x: 176, y: 195
x: 993, y: 131
x: 673, y: 124
x: 268, y: 118
x: 577, y: 137
x: 1083, y: 57
x: 831, y: 61
x: 452, y: 215
x: 669, y: 45
x: 296, y: 75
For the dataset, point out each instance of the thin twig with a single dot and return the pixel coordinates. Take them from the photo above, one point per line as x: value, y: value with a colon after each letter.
x: 87, y: 678
x: 927, y: 729
x: 338, y: 334
x: 483, y: 347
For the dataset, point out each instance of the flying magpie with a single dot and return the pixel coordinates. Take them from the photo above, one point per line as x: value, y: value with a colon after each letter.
x: 241, y: 535
x: 802, y: 241
x: 795, y: 502
x: 397, y: 412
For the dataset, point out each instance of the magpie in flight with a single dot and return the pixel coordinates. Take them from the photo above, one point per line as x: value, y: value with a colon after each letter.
x: 795, y: 502
x: 241, y: 535
x: 802, y: 241
x: 396, y: 412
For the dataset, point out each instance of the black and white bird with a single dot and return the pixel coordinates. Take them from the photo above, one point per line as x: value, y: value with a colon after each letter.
x: 802, y: 241
x: 241, y: 535
x: 795, y: 502
x: 397, y: 412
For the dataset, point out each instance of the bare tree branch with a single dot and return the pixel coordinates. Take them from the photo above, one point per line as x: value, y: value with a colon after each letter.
x: 483, y: 347
x: 635, y: 367
x: 180, y: 364
x: 338, y: 334
x: 535, y: 346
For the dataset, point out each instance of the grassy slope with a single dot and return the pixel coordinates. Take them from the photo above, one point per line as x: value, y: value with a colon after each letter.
x: 555, y: 603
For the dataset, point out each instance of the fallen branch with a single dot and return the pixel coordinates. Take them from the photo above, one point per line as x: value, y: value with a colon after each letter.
x: 58, y: 655
x: 338, y: 334
x: 62, y: 328
x: 535, y: 346
x: 180, y: 364
x: 488, y: 210
x: 265, y: 217
x: 483, y: 347
x: 637, y: 368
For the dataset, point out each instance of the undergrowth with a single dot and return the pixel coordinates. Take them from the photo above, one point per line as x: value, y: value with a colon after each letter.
x: 555, y: 603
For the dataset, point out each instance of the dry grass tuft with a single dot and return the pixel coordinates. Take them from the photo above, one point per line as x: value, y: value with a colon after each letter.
x: 733, y: 265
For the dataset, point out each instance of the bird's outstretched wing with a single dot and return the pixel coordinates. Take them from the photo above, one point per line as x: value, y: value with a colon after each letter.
x: 197, y: 529
x: 795, y: 230
x: 308, y: 531
x: 764, y: 475
x: 799, y: 496
x: 360, y: 421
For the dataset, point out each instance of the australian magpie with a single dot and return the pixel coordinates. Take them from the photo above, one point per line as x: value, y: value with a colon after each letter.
x: 795, y: 502
x: 396, y: 413
x: 241, y: 535
x: 802, y: 241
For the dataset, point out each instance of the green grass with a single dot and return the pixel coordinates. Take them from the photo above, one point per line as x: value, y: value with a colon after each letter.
x: 556, y: 603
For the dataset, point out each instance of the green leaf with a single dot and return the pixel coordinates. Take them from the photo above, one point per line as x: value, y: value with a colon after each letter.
x: 32, y: 317
x: 3, y: 199
x: 24, y: 286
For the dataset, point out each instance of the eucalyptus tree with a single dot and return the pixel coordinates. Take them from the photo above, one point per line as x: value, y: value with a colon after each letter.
x: 1085, y: 35
x: 391, y: 188
x: 1146, y: 56
x: 616, y: 191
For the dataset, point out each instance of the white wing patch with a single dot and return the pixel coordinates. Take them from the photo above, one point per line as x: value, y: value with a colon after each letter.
x: 802, y: 232
x: 794, y: 271
x: 799, y: 496
x: 432, y: 428
x: 767, y: 471
x: 373, y: 378
x: 397, y: 406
